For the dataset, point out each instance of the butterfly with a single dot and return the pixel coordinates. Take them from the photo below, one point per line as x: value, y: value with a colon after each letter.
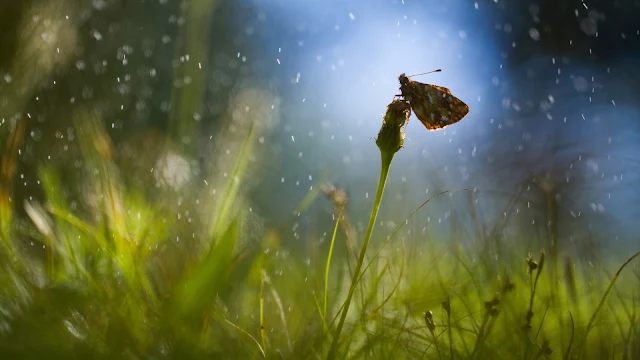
x: 433, y: 105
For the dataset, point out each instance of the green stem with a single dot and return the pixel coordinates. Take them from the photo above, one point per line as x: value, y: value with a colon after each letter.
x: 328, y: 267
x: 386, y: 158
x: 604, y: 297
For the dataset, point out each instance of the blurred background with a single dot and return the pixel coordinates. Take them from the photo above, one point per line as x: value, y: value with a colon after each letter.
x: 170, y: 90
x: 171, y: 172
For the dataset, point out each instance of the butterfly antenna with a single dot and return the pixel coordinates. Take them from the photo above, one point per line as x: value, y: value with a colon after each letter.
x: 437, y: 70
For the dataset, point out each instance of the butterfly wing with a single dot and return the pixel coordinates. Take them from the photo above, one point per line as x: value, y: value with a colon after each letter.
x: 435, y: 106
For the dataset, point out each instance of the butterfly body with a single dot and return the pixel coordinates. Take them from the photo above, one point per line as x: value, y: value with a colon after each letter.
x: 433, y: 105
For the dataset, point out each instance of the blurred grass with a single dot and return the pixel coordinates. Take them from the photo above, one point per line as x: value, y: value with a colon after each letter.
x: 187, y: 99
x: 113, y: 282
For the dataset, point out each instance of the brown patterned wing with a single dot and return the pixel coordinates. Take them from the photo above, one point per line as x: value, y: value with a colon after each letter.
x: 435, y: 106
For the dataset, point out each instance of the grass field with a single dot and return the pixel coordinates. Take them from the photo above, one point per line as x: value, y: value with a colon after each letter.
x: 120, y: 276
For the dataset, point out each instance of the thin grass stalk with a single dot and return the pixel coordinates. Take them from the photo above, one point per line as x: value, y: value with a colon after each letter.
x: 604, y: 297
x: 573, y: 329
x: 447, y: 307
x: 241, y: 330
x: 480, y: 337
x: 327, y: 267
x: 263, y: 330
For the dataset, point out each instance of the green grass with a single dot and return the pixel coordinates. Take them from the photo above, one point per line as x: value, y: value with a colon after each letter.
x: 121, y: 277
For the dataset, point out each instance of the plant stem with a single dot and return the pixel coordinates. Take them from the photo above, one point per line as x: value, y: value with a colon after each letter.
x: 386, y: 158
x: 328, y: 267
x: 604, y: 297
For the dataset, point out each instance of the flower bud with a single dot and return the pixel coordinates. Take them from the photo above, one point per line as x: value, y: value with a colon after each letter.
x: 391, y: 136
